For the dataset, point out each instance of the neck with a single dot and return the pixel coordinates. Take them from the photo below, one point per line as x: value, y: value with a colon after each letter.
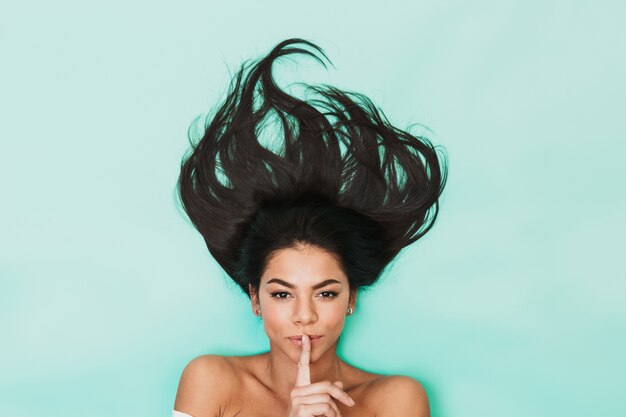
x: 282, y: 370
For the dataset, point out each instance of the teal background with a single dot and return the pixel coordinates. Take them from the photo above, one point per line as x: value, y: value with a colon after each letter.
x: 513, y: 305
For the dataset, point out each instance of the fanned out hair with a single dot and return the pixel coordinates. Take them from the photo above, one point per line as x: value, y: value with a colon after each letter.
x: 343, y: 179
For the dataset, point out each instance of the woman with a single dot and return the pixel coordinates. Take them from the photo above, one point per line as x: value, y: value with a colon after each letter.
x: 301, y: 224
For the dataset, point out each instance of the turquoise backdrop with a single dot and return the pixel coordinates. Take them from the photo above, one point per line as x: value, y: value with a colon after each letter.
x: 514, y: 305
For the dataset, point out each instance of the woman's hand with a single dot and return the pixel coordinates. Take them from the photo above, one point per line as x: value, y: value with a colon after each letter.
x: 311, y: 400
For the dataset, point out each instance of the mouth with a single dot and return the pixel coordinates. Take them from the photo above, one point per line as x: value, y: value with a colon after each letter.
x: 297, y: 340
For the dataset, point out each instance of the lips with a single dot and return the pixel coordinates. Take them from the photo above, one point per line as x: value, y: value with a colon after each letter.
x: 297, y: 340
x: 299, y: 337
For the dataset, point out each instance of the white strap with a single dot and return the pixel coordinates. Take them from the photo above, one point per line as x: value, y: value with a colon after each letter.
x: 180, y: 414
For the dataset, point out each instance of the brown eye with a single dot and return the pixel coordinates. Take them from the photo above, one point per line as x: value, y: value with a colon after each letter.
x: 330, y: 296
x: 276, y: 295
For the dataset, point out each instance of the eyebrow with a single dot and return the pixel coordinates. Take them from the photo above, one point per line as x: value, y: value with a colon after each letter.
x: 316, y: 286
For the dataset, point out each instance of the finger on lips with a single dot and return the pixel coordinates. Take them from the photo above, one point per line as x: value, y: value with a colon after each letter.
x: 304, y: 374
x: 303, y: 379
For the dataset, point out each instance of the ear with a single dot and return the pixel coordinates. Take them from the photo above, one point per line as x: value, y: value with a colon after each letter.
x: 254, y: 297
x: 352, y: 299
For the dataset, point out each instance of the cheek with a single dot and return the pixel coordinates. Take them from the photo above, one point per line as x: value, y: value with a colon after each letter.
x: 336, y: 320
x: 274, y: 319
x: 333, y: 312
x: 277, y: 321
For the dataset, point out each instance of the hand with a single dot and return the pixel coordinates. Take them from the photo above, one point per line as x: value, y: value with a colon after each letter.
x: 310, y: 400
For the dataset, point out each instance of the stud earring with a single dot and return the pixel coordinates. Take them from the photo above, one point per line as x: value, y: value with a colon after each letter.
x: 258, y: 312
x: 350, y: 311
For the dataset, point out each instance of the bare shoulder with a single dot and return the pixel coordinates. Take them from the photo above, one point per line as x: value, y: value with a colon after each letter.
x: 399, y: 395
x: 204, y: 386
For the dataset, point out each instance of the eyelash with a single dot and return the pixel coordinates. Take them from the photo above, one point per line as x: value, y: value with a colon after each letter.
x: 333, y: 295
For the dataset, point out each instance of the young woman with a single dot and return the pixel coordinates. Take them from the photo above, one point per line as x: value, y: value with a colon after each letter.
x: 301, y: 223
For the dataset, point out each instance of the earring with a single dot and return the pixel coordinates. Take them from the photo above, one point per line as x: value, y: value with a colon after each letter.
x: 258, y: 312
x: 350, y: 311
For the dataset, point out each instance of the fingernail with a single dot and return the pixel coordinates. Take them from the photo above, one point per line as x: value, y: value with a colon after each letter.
x: 351, y: 401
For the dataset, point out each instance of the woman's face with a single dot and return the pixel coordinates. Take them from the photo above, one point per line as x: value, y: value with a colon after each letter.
x: 303, y: 291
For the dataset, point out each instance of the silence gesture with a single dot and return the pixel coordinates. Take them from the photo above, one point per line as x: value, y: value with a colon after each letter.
x: 311, y: 400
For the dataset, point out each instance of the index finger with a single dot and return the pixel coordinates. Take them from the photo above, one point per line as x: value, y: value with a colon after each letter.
x: 304, y: 374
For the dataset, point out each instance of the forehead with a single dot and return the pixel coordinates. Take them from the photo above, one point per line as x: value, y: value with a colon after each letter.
x: 303, y: 265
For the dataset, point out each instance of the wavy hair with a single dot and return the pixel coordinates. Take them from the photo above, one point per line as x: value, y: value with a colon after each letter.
x: 342, y: 177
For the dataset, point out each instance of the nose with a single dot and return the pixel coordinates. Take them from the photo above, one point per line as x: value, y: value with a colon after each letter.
x: 304, y: 311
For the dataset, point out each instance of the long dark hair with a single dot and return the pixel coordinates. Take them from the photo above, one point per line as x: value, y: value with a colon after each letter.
x: 342, y: 178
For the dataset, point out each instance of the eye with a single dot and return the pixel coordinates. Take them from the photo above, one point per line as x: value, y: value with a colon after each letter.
x: 276, y: 295
x: 330, y: 296
x: 281, y: 295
